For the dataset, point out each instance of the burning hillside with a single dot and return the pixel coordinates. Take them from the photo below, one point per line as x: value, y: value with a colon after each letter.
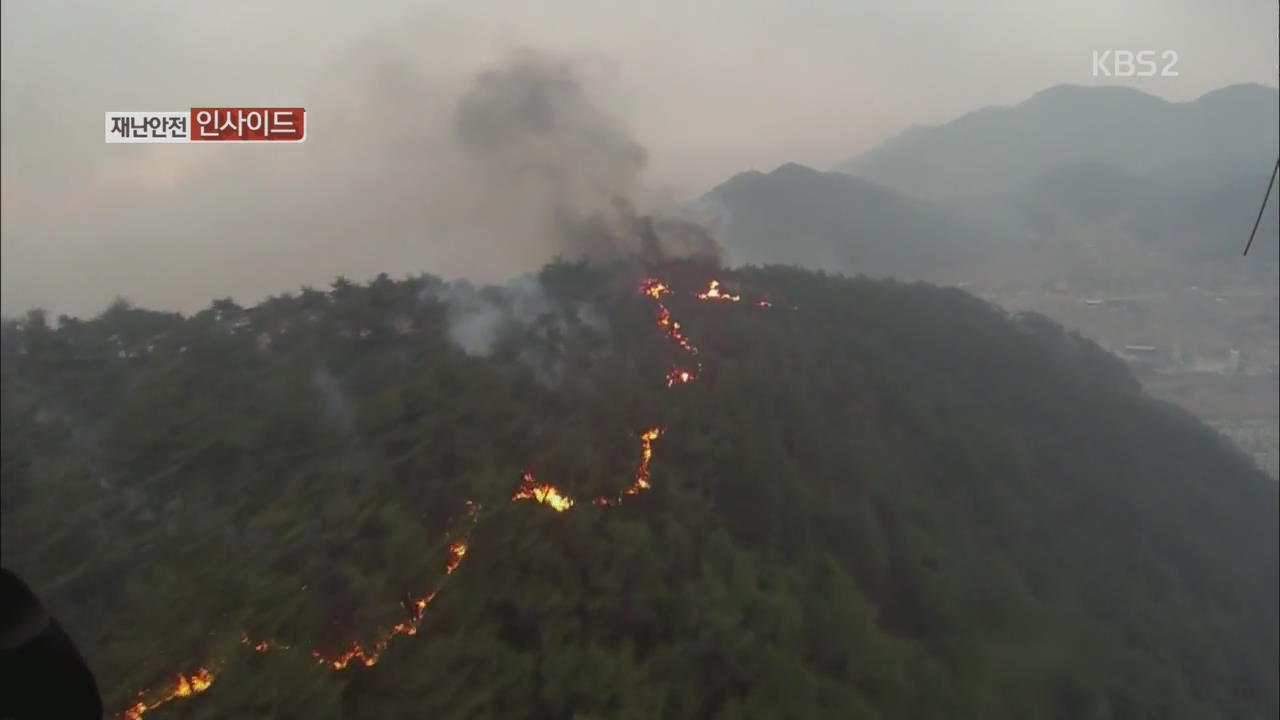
x: 714, y: 483
x: 529, y: 489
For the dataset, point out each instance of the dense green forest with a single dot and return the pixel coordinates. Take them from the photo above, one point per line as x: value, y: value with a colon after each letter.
x: 878, y: 500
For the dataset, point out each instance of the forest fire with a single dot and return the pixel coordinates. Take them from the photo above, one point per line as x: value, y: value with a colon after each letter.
x: 529, y: 489
x: 548, y: 495
x: 457, y: 551
x: 678, y: 376
x: 185, y: 687
x: 654, y: 288
x: 642, y: 473
x: 673, y: 331
x: 713, y: 292
x: 355, y: 652
x: 671, y: 328
x: 261, y: 646
x: 646, y: 455
x: 417, y: 609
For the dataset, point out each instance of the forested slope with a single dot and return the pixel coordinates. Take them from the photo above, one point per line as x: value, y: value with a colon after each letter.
x: 870, y: 499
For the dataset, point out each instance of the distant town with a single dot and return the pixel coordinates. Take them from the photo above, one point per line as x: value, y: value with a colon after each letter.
x: 1211, y: 346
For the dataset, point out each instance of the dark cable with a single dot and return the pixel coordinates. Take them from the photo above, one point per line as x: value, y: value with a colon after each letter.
x: 1266, y: 197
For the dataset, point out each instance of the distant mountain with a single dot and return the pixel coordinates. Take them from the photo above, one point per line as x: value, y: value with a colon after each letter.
x: 998, y: 150
x: 798, y: 215
x: 1090, y: 189
x: 1185, y: 176
x: 1196, y: 222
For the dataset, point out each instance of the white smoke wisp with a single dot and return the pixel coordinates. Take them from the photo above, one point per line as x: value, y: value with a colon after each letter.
x: 520, y: 317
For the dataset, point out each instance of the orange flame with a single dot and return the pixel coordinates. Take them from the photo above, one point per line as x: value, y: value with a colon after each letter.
x: 261, y: 646
x: 548, y: 495
x: 417, y: 608
x: 185, y: 687
x: 672, y: 330
x: 713, y: 292
x: 669, y: 327
x: 355, y: 652
x: 646, y: 455
x: 678, y: 376
x: 642, y: 473
x: 457, y: 551
x: 654, y: 288
x: 370, y: 655
x: 530, y: 489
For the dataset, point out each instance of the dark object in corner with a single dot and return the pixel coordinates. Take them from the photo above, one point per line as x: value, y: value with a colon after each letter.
x: 41, y: 670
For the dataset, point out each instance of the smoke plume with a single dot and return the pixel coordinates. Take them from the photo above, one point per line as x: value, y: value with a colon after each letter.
x: 534, y: 134
x: 478, y: 169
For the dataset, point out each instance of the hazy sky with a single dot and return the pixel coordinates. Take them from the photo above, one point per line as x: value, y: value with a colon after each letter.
x: 708, y: 88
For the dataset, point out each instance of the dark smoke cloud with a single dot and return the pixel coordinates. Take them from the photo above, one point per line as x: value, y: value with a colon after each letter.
x: 532, y: 131
x: 409, y: 166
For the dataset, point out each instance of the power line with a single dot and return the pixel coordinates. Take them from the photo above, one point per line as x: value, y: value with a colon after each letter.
x: 1265, y: 197
x: 1275, y: 169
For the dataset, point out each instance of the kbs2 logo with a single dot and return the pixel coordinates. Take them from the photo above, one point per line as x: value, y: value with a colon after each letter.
x: 1127, y: 63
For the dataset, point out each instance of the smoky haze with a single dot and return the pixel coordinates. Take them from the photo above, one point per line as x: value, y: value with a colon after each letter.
x: 526, y: 167
x: 564, y: 173
x: 653, y: 103
x: 533, y: 134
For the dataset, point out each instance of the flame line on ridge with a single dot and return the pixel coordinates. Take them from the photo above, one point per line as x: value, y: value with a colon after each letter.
x: 201, y: 680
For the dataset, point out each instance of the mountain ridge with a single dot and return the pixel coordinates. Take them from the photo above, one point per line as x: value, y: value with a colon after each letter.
x: 877, y: 499
x: 796, y: 214
x: 994, y: 149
